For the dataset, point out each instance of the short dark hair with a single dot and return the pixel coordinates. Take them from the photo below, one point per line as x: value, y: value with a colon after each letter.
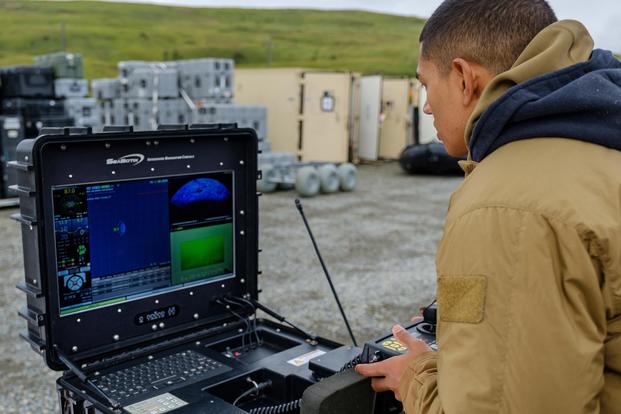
x: 492, y: 33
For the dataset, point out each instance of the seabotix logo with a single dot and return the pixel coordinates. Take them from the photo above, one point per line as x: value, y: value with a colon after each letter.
x: 133, y: 159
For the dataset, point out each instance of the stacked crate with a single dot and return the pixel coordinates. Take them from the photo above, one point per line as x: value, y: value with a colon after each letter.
x: 105, y: 91
x: 11, y: 132
x: 198, y: 91
x: 210, y: 79
x: 71, y: 87
x: 28, y: 92
x: 27, y: 104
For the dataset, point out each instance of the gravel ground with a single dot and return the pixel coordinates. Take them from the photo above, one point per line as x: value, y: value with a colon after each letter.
x: 378, y: 242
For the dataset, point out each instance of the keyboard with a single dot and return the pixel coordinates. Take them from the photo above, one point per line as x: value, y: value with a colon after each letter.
x: 158, y: 374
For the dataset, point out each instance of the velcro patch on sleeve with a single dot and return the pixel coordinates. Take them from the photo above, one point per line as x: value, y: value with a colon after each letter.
x: 461, y: 298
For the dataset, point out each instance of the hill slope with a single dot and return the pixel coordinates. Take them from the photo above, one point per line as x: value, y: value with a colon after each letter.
x: 106, y: 33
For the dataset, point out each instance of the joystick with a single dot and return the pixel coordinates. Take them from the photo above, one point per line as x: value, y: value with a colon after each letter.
x: 388, y: 346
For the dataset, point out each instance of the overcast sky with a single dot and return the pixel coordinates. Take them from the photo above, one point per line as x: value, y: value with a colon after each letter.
x: 601, y: 17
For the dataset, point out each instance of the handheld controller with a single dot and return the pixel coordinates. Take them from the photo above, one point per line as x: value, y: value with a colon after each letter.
x: 388, y: 346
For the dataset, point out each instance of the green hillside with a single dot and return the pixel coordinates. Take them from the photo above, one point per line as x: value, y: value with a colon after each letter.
x: 106, y: 33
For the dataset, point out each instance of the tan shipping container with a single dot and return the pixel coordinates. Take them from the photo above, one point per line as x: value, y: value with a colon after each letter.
x: 279, y: 91
x: 397, y: 112
x: 310, y: 113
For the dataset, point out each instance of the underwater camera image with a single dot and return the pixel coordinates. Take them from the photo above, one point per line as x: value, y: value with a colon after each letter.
x: 199, y: 199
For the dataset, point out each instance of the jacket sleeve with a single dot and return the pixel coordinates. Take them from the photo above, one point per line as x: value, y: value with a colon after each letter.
x: 521, y: 325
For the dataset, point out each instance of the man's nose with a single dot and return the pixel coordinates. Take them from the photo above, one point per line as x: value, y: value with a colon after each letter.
x: 427, y: 108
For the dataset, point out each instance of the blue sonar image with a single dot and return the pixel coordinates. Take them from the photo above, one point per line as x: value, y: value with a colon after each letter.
x: 200, y: 190
x: 128, y: 226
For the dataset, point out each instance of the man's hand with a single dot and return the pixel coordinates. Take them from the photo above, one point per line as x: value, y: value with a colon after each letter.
x: 387, y: 374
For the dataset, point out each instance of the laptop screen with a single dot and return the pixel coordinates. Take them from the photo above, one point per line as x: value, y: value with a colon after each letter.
x: 120, y: 241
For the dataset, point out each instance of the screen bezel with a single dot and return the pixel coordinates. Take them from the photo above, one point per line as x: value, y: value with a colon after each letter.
x: 156, y: 293
x: 57, y: 155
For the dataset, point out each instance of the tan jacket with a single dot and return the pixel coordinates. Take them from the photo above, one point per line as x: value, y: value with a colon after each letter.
x: 529, y: 271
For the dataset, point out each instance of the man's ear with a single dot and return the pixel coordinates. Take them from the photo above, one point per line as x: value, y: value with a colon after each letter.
x: 468, y: 78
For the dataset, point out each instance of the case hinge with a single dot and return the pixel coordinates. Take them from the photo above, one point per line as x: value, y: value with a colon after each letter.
x: 36, y: 345
x: 23, y: 219
x: 29, y: 290
x: 31, y: 316
x: 21, y: 191
x: 18, y: 165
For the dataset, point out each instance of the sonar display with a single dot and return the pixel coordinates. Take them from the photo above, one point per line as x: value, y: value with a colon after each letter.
x: 126, y: 240
x: 201, y: 190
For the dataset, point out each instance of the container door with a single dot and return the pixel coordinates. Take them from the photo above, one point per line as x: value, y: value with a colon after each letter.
x: 426, y: 131
x: 278, y: 90
x: 324, y: 133
x: 395, y: 124
x: 370, y: 112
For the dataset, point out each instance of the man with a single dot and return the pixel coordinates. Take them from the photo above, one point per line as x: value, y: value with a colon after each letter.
x: 529, y: 267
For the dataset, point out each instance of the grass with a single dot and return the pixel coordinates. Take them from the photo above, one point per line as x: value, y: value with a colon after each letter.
x: 106, y: 33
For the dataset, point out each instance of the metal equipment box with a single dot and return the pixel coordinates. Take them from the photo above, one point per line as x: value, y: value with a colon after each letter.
x: 126, y: 67
x: 85, y: 112
x: 153, y: 82
x: 135, y: 112
x: 70, y: 88
x: 171, y: 111
x: 27, y: 82
x: 120, y: 112
x: 245, y: 116
x: 11, y: 133
x: 141, y: 114
x: 104, y: 89
x: 65, y: 65
x: 141, y: 264
x: 250, y: 116
x: 209, y: 78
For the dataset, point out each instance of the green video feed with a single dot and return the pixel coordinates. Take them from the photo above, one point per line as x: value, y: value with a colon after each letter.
x: 201, y: 253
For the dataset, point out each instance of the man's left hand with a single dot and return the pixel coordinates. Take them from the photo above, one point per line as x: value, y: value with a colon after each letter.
x: 387, y: 374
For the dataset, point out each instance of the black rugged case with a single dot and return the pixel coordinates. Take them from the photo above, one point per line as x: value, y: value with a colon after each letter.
x: 76, y: 155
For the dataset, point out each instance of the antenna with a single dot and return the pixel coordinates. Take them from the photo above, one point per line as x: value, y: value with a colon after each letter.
x: 268, y: 47
x: 298, y: 204
x: 63, y: 39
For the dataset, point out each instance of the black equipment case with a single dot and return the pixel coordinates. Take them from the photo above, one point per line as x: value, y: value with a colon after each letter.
x: 11, y: 133
x: 237, y: 363
x: 27, y: 82
x: 33, y: 108
x: 37, y: 113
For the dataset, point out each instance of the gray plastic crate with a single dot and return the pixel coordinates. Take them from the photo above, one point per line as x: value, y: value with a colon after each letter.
x: 277, y: 159
x: 172, y: 111
x: 65, y: 65
x: 84, y: 111
x: 128, y: 66
x: 255, y: 117
x: 106, y: 109
x: 143, y: 82
x: 139, y: 114
x: 120, y: 112
x: 70, y: 88
x: 265, y: 146
x: 208, y: 113
x: 208, y: 78
x: 142, y: 114
x: 245, y: 116
x: 106, y: 88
